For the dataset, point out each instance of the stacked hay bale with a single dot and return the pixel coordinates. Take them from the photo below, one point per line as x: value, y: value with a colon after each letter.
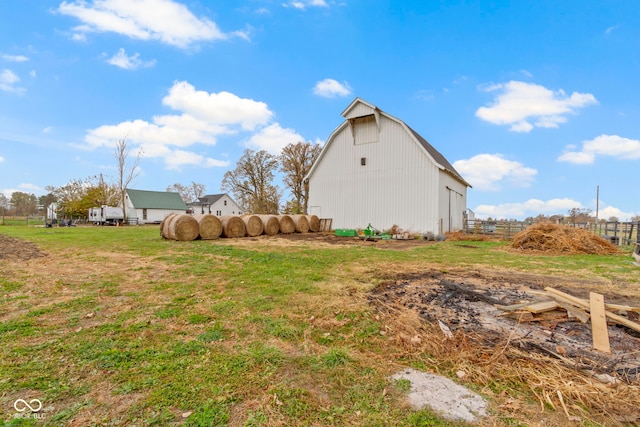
x: 287, y: 226
x: 253, y: 224
x: 301, y: 223
x: 209, y: 225
x: 184, y: 227
x: 233, y: 226
x: 314, y: 223
x: 270, y: 224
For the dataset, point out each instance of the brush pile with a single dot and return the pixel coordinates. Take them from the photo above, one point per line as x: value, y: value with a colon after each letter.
x: 560, y: 239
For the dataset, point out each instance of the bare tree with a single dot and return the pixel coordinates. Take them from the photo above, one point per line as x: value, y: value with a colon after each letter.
x: 296, y: 162
x: 127, y: 170
x: 578, y: 215
x: 197, y: 190
x: 190, y: 193
x: 251, y: 182
x: 180, y: 189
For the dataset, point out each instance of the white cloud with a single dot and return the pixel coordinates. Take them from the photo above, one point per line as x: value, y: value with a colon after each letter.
x: 15, y: 58
x: 1, y: 159
x: 274, y: 138
x: 222, y: 108
x: 163, y: 20
x: 303, y: 4
x: 133, y: 62
x: 330, y: 88
x: 47, y: 129
x: 201, y: 118
x: 603, y: 145
x: 9, y: 81
x: 488, y: 172
x: 607, y: 212
x: 611, y: 29
x: 531, y: 207
x: 26, y: 187
x: 523, y: 106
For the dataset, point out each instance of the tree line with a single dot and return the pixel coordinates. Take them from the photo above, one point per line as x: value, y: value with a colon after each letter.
x: 251, y: 184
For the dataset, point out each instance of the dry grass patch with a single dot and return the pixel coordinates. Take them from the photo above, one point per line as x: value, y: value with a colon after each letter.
x: 506, y: 373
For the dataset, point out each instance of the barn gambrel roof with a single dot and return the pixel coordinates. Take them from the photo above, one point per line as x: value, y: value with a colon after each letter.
x: 360, y: 108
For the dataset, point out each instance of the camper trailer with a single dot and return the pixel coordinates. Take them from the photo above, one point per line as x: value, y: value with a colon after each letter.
x: 106, y: 215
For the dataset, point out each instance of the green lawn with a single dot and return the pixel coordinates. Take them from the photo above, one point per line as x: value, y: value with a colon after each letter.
x: 115, y: 326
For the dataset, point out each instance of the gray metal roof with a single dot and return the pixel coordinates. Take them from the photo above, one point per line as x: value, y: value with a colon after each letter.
x: 210, y: 198
x: 437, y: 156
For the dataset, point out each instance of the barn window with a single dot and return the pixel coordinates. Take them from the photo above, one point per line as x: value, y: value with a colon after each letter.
x: 363, y: 161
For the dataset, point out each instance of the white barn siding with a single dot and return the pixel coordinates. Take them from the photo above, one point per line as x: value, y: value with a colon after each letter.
x: 452, y: 202
x: 153, y: 215
x: 404, y: 180
x: 395, y: 187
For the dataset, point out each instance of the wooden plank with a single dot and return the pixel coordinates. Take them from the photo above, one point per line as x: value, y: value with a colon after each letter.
x: 582, y: 303
x: 577, y: 312
x: 599, y: 329
x: 542, y: 306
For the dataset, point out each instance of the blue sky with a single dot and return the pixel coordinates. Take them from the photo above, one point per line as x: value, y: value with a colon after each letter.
x: 536, y: 103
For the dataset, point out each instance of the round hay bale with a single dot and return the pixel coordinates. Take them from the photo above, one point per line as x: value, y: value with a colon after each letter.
x: 287, y: 226
x: 301, y: 223
x: 183, y: 227
x: 164, y: 226
x: 233, y: 226
x: 270, y: 224
x: 210, y: 226
x: 561, y: 239
x: 254, y: 225
x: 314, y: 223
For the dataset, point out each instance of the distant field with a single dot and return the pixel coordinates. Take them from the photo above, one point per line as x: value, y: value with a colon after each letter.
x: 115, y: 326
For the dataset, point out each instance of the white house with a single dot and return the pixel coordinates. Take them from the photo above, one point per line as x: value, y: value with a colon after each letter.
x: 152, y: 206
x: 374, y: 169
x: 215, y: 204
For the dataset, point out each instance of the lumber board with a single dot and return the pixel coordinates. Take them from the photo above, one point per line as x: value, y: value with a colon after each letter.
x: 576, y: 312
x: 516, y: 307
x: 542, y: 306
x: 599, y: 329
x: 583, y: 304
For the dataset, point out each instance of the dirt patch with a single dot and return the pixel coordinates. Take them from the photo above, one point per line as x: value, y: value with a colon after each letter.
x: 328, y: 239
x: 12, y: 248
x: 466, y: 301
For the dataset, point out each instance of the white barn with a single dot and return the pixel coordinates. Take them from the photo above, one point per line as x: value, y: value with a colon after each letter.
x: 150, y: 207
x: 374, y: 169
